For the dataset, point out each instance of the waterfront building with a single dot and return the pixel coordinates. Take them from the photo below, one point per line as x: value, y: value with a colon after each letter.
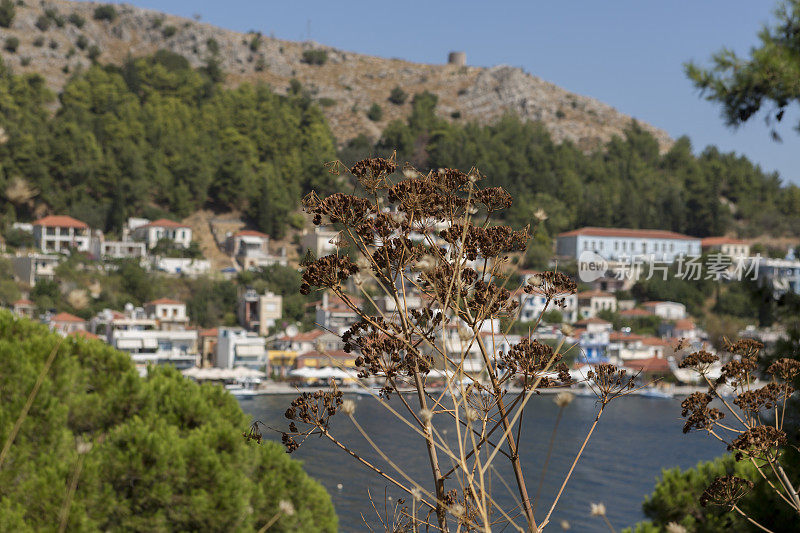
x: 238, y: 347
x: 169, y: 314
x: 60, y: 233
x: 620, y: 244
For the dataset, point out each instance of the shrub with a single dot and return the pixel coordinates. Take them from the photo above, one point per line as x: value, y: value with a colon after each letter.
x: 7, y: 13
x: 76, y: 20
x: 398, y: 96
x: 94, y: 52
x: 327, y: 102
x: 169, y: 31
x: 261, y: 65
x: 212, y: 45
x: 105, y: 12
x: 25, y: 61
x: 375, y: 113
x: 255, y: 42
x: 455, y: 115
x: 11, y: 44
x: 315, y: 57
x: 55, y: 16
x: 38, y: 42
x: 43, y: 22
x: 181, y: 443
x: 82, y: 42
x: 53, y: 44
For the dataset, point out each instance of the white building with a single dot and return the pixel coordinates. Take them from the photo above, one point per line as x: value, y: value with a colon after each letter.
x: 334, y: 314
x: 259, y: 312
x: 152, y: 232
x: 590, y: 303
x: 319, y: 241
x: 782, y: 275
x: 251, y: 250
x: 237, y: 347
x: 169, y: 314
x: 60, y: 233
x: 124, y: 249
x: 532, y: 305
x: 155, y: 346
x: 666, y: 310
x: 733, y: 248
x: 182, y: 265
x: 32, y: 268
x: 622, y: 244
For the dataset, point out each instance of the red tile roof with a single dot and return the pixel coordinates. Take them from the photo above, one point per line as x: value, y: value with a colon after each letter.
x: 304, y: 337
x: 655, y: 341
x: 652, y: 365
x: 659, y: 302
x: 619, y: 336
x: 250, y: 233
x: 717, y: 241
x: 594, y: 294
x: 84, y: 334
x: 23, y: 301
x: 212, y: 332
x: 684, y: 324
x: 66, y: 317
x: 593, y: 320
x: 629, y: 233
x: 635, y: 312
x: 164, y: 301
x: 61, y: 221
x: 164, y: 223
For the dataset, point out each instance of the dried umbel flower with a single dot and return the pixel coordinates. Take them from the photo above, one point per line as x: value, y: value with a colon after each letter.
x: 328, y: 271
x: 253, y: 433
x: 697, y: 413
x: 474, y: 241
x: 757, y: 442
x: 746, y: 348
x: 609, y: 382
x: 726, y: 491
x: 286, y: 507
x: 313, y: 409
x: 700, y: 361
x: 372, y: 173
x: 494, y: 198
x: 348, y: 407
x: 766, y: 397
x: 471, y: 415
x: 528, y: 357
x: 338, y: 208
x: 553, y: 285
x: 785, y: 369
x: 598, y: 509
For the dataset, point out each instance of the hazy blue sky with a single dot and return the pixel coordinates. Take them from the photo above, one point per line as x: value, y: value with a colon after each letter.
x: 627, y: 53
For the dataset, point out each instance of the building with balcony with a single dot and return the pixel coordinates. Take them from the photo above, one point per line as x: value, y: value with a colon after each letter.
x: 259, y: 312
x: 60, y: 233
x: 169, y: 314
x: 152, y: 232
x: 238, y: 347
x: 33, y: 268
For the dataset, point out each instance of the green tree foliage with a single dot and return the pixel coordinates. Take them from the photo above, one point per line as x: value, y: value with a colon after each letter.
x: 105, y: 12
x: 7, y: 12
x: 767, y: 78
x: 315, y: 57
x: 212, y: 303
x: 626, y: 183
x: 375, y: 112
x: 157, y: 132
x: 167, y: 454
x: 11, y: 44
x: 398, y: 96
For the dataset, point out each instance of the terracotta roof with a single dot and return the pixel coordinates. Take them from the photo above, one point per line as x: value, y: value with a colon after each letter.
x: 654, y: 364
x: 635, y: 312
x: 716, y: 241
x: 61, y: 221
x: 629, y: 233
x: 23, y: 301
x: 593, y: 320
x: 66, y: 317
x: 84, y: 334
x: 659, y: 302
x: 250, y: 233
x: 684, y: 323
x: 619, y: 336
x: 304, y: 337
x: 164, y: 301
x: 595, y: 294
x: 212, y: 332
x: 655, y: 341
x: 164, y: 223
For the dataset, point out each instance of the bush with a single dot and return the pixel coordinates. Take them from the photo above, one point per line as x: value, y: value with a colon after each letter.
x: 398, y: 96
x: 106, y: 12
x: 55, y: 16
x: 169, y: 31
x: 53, y: 44
x: 18, y: 238
x: 327, y: 102
x: 315, y: 57
x: 43, y: 22
x: 38, y: 42
x: 212, y: 45
x: 76, y: 20
x: 7, y: 12
x: 94, y: 52
x: 255, y: 42
x: 25, y: 61
x: 11, y: 44
x: 82, y: 42
x: 375, y: 113
x: 166, y: 453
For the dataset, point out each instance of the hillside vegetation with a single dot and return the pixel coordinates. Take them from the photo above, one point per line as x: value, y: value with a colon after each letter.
x: 154, y: 454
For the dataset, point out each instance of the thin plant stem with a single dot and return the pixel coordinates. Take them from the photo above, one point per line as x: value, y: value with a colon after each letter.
x: 73, y: 486
x: 735, y: 508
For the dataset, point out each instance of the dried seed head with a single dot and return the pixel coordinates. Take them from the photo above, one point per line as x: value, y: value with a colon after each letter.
x: 348, y: 407
x: 83, y: 447
x: 425, y: 415
x: 565, y: 525
x: 674, y: 527
x: 540, y: 215
x: 457, y: 510
x: 536, y: 281
x: 286, y: 507
x: 567, y: 330
x: 598, y: 509
x: 563, y: 399
x: 471, y: 414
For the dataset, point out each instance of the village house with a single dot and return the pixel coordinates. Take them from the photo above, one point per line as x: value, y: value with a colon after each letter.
x: 781, y: 275
x: 590, y: 303
x: 259, y: 312
x: 333, y: 314
x: 152, y: 232
x: 181, y: 266
x: 319, y: 241
x: 60, y: 233
x: 169, y: 314
x: 207, y: 346
x: 532, y: 305
x: 251, y: 250
x: 618, y: 244
x: 33, y: 268
x: 593, y: 338
x: 124, y: 249
x: 666, y: 310
x: 237, y: 347
x: 66, y: 323
x: 733, y: 248
x: 24, y: 308
x: 628, y: 346
x: 315, y: 339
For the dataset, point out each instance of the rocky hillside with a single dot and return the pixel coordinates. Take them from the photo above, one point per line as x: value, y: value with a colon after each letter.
x: 56, y: 37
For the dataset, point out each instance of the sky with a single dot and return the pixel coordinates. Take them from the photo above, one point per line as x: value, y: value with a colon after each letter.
x: 626, y: 53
